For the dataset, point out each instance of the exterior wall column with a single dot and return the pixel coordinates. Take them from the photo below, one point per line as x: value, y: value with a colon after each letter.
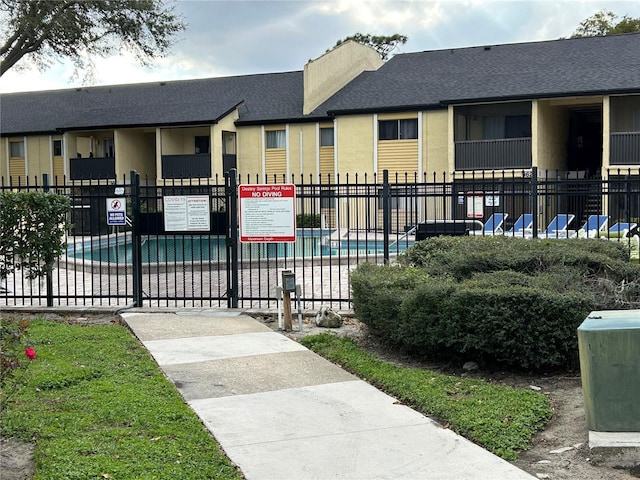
x: 606, y: 133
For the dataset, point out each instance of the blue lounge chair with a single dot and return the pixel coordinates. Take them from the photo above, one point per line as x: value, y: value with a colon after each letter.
x: 557, y: 227
x: 522, y: 224
x: 621, y: 229
x: 493, y: 225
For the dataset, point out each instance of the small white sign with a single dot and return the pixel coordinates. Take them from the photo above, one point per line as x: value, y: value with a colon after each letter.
x: 186, y: 213
x: 116, y: 211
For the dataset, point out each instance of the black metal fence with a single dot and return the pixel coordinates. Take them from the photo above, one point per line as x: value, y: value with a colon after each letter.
x: 341, y: 221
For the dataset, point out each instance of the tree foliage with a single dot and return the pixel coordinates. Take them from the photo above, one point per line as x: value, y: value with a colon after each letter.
x: 32, y: 227
x: 46, y: 30
x: 383, y: 44
x: 606, y: 22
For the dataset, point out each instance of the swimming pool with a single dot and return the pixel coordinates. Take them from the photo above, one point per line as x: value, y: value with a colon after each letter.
x: 191, y: 248
x: 206, y: 248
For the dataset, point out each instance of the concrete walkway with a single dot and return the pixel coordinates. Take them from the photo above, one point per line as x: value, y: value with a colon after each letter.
x: 282, y: 412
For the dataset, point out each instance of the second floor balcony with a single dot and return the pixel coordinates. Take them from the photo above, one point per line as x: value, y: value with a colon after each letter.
x: 92, y: 168
x: 196, y: 165
x: 493, y: 154
x: 625, y: 148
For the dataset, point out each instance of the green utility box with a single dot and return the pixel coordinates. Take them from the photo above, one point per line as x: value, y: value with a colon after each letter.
x: 609, y: 345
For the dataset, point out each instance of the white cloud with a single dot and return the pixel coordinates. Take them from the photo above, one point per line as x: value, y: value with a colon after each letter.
x: 245, y: 37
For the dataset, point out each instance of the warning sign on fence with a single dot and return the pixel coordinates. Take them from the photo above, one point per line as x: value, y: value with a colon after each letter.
x: 116, y: 211
x: 267, y: 213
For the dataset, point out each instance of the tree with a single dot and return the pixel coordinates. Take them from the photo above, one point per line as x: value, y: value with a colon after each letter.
x: 383, y: 44
x: 604, y: 23
x: 44, y: 30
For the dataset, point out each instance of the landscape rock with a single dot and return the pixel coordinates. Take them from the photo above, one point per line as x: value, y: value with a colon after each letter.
x: 470, y: 366
x: 328, y: 318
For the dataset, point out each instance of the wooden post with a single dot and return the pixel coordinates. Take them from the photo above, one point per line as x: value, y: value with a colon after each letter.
x: 286, y: 300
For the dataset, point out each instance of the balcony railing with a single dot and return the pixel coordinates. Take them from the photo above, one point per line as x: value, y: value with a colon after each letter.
x: 493, y: 154
x: 92, y: 168
x: 197, y: 165
x: 625, y: 148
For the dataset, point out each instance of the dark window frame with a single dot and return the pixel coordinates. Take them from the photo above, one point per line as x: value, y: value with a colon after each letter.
x: 400, y: 129
x: 325, y: 141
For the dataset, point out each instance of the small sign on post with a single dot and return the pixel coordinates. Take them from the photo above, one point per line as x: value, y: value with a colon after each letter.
x: 288, y: 286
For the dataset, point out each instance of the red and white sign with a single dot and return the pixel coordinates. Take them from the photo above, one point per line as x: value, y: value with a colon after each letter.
x: 268, y: 213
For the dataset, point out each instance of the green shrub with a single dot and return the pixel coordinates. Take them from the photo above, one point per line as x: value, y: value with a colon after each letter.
x: 495, y: 299
x: 378, y: 293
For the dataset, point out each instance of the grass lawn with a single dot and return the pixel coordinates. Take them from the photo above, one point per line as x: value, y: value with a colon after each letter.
x: 501, y: 419
x: 96, y: 405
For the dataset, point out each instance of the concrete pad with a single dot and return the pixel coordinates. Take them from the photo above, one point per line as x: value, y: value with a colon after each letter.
x: 149, y: 326
x: 202, y: 349
x: 253, y: 374
x: 615, y: 449
x: 411, y: 452
x: 303, y: 412
x: 346, y: 430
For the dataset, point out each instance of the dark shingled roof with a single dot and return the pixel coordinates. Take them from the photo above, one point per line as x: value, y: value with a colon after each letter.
x: 269, y: 97
x: 579, y: 66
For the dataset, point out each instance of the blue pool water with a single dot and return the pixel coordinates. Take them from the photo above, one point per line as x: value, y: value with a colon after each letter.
x: 196, y: 248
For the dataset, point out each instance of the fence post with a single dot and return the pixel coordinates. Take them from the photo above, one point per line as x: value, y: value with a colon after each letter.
x: 232, y: 240
x: 534, y: 200
x: 136, y: 244
x: 386, y: 214
x: 48, y: 278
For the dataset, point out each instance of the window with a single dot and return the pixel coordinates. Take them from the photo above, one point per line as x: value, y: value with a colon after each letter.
x: 398, y: 129
x: 57, y: 148
x: 276, y: 139
x: 636, y: 120
x: 509, y: 126
x: 202, y: 144
x: 17, y: 149
x: 326, y: 137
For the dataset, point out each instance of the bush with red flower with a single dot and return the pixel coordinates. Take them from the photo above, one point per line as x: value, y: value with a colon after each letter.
x: 16, y: 353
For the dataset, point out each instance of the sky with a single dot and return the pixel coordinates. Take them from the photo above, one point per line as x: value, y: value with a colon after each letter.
x: 241, y: 37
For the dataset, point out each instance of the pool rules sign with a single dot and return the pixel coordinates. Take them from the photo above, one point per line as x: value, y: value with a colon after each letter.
x: 267, y: 213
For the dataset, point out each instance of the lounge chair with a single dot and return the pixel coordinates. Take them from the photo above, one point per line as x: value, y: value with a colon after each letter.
x: 493, y: 225
x: 620, y: 230
x: 557, y: 227
x: 522, y: 224
x: 592, y: 227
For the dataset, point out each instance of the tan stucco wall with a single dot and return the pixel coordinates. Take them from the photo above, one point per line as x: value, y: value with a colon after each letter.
x: 250, y: 145
x: 135, y: 150
x: 355, y: 144
x: 38, y: 154
x: 435, y: 144
x: 224, y: 125
x: 304, y: 147
x: 176, y: 141
x: 550, y: 133
x: 4, y: 145
x: 327, y: 74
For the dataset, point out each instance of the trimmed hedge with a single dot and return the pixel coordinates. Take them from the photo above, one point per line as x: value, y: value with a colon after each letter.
x: 501, y: 300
